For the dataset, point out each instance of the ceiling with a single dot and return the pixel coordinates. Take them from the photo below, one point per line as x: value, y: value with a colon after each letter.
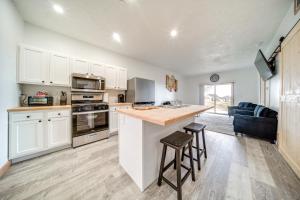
x: 212, y: 36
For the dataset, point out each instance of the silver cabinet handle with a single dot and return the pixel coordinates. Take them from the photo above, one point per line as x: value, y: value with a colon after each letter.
x: 89, y: 112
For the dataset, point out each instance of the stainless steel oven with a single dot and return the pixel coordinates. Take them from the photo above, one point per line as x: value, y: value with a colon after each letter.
x: 87, y: 83
x: 90, y: 118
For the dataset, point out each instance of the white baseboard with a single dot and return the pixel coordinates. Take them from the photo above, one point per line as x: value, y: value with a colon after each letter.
x: 290, y: 161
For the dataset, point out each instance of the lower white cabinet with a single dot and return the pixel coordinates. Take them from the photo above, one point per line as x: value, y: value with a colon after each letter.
x: 58, y: 131
x: 35, y: 132
x: 113, y: 117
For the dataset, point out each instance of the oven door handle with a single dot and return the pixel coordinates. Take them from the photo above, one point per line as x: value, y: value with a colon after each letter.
x: 89, y: 112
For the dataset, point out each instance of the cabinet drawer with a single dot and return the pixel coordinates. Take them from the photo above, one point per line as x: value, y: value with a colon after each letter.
x: 59, y: 113
x: 26, y: 116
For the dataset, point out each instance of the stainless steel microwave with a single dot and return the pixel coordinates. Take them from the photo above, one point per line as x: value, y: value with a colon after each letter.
x: 87, y: 83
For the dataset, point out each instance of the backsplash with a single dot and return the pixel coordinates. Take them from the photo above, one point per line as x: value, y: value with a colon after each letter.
x: 110, y: 96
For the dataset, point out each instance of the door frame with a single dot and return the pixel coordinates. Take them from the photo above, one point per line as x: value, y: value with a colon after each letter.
x: 215, y: 84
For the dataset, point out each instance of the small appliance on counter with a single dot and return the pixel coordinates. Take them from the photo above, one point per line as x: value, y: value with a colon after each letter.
x: 40, y: 99
x: 63, y: 98
x: 121, y: 98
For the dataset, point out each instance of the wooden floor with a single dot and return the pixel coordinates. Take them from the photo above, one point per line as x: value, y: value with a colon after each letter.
x: 236, y: 168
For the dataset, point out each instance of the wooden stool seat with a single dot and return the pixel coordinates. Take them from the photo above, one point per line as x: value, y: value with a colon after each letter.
x: 177, y: 140
x: 196, y: 128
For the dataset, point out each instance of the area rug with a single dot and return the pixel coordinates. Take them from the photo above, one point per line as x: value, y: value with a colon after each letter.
x: 216, y: 123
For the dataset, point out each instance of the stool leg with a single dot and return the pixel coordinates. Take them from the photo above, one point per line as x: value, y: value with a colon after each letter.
x: 178, y: 166
x: 162, y: 164
x: 204, y: 145
x: 182, y: 155
x: 191, y: 160
x: 198, y: 154
x: 175, y: 160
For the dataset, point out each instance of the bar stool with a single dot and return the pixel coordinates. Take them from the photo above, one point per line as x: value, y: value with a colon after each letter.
x: 177, y: 141
x: 196, y: 128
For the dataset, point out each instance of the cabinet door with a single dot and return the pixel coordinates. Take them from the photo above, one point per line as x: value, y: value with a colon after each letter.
x: 113, y: 121
x: 26, y: 137
x: 122, y: 79
x: 59, y: 131
x: 111, y: 77
x: 98, y: 70
x: 80, y: 66
x: 32, y: 65
x: 59, y: 70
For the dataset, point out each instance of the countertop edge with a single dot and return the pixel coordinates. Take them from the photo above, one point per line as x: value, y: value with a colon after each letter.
x: 37, y: 108
x: 166, y: 122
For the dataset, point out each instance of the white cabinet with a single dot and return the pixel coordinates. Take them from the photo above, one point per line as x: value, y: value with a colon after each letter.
x: 113, y: 117
x: 97, y: 70
x: 37, y: 66
x: 26, y: 134
x: 111, y: 77
x: 32, y: 65
x: 80, y: 66
x: 37, y: 132
x: 59, y: 70
x: 116, y: 78
x: 122, y: 79
x: 58, y: 131
x: 42, y: 67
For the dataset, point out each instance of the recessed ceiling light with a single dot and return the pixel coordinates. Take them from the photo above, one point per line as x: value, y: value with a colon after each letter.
x: 173, y: 33
x: 116, y: 37
x: 57, y: 8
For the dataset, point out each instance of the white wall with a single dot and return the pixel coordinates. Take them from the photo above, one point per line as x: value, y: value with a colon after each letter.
x: 246, y: 85
x: 49, y: 40
x: 11, y: 27
x: 272, y: 90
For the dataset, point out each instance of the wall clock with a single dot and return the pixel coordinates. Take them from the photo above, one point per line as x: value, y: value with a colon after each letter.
x: 214, y: 78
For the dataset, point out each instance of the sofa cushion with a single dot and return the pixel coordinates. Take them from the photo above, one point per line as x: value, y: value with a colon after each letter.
x: 261, y: 112
x: 256, y: 110
x: 244, y: 104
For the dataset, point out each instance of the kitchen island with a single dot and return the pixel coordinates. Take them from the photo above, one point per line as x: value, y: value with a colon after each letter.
x: 140, y: 132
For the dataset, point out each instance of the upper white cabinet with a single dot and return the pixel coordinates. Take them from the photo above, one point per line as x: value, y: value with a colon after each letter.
x: 59, y: 70
x: 32, y: 65
x: 116, y: 78
x: 41, y: 67
x: 122, y: 79
x: 97, y: 70
x: 80, y: 66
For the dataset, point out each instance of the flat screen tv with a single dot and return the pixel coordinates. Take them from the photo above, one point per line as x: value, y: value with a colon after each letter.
x: 263, y: 66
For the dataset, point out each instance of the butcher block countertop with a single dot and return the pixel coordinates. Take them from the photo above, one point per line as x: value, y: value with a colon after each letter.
x: 35, y: 108
x: 165, y: 116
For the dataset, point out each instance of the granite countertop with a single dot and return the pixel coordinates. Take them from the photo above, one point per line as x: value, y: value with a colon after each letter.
x: 34, y: 108
x: 165, y: 116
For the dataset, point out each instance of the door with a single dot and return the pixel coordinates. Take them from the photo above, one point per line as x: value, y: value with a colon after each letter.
x: 98, y: 70
x: 122, y: 79
x: 111, y: 77
x: 26, y: 138
x: 59, y: 132
x: 80, y: 66
x: 59, y: 70
x: 220, y: 96
x: 32, y: 65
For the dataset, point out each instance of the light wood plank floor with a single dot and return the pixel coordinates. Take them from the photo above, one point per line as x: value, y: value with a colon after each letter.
x: 236, y: 168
